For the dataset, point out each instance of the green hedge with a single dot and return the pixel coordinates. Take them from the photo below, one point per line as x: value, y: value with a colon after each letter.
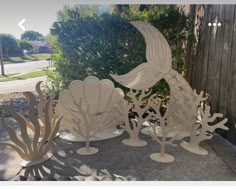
x: 103, y: 44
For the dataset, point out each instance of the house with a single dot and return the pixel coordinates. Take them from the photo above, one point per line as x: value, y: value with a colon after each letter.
x: 40, y: 47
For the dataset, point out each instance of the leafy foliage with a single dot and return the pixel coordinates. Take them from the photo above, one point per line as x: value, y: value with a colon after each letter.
x: 9, y: 44
x: 52, y: 40
x: 32, y: 36
x: 102, y: 44
x: 24, y: 45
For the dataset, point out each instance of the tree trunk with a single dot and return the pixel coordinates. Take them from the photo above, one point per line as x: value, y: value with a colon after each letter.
x: 1, y: 59
x: 115, y: 9
x: 7, y: 56
x: 143, y: 7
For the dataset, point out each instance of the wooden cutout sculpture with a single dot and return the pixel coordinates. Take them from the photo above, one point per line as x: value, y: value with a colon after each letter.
x: 138, y: 98
x: 158, y: 66
x: 203, y: 130
x: 41, y: 109
x: 178, y: 115
x: 88, y: 110
x: 29, y: 148
x: 166, y: 128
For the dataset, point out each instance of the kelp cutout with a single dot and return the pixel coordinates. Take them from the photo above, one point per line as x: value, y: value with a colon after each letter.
x: 30, y: 147
x: 41, y: 107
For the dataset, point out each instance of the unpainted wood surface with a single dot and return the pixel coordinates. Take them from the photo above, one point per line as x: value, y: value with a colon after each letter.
x: 212, y: 60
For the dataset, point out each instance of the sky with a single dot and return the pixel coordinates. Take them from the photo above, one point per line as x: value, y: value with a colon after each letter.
x: 39, y: 15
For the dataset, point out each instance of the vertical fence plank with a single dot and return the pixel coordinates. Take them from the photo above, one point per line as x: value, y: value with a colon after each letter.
x: 214, y: 64
x: 211, y: 80
x: 206, y: 50
x: 199, y: 54
x: 225, y: 63
x: 199, y: 16
x: 218, y: 59
x: 231, y: 100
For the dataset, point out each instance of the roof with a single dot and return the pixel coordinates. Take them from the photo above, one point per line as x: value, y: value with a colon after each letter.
x: 40, y: 43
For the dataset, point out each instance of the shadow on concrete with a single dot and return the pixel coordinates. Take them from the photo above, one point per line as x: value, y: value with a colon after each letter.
x: 131, y: 163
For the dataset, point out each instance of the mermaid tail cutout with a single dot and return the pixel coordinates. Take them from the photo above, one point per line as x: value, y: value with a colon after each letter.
x: 158, y: 66
x: 159, y: 58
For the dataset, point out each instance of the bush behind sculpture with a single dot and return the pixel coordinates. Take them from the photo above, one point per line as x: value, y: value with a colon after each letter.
x: 105, y: 44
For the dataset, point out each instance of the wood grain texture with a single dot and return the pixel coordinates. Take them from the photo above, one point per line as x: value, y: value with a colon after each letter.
x: 213, y: 65
x: 29, y: 147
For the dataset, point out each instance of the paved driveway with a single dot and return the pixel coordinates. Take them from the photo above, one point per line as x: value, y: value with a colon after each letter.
x: 21, y: 68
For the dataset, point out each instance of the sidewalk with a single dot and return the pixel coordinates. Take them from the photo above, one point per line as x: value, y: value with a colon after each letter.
x: 20, y: 85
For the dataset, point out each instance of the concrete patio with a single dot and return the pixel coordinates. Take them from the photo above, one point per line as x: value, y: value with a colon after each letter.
x: 116, y: 161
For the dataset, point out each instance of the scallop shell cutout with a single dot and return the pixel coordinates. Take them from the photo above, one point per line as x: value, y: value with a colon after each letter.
x: 101, y: 95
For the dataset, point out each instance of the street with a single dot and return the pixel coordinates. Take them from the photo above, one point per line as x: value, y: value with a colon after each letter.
x: 20, y: 85
x: 22, y: 68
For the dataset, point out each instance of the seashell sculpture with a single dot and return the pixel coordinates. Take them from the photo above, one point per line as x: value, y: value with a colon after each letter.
x: 88, y: 108
x: 158, y: 66
x: 31, y: 148
x: 203, y: 130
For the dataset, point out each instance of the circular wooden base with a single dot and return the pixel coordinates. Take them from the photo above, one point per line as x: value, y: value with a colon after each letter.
x: 25, y: 163
x: 130, y: 142
x: 106, y: 134
x: 199, y: 150
x: 147, y: 130
x: 167, y: 158
x: 84, y: 151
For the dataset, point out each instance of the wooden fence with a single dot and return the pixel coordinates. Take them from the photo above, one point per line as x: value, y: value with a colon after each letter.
x: 211, y: 59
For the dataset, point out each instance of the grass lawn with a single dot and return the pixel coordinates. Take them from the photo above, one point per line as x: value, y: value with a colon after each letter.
x: 6, y: 76
x: 12, y: 77
x: 27, y: 58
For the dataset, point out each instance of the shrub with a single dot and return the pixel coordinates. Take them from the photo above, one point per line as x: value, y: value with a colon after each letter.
x: 105, y: 44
